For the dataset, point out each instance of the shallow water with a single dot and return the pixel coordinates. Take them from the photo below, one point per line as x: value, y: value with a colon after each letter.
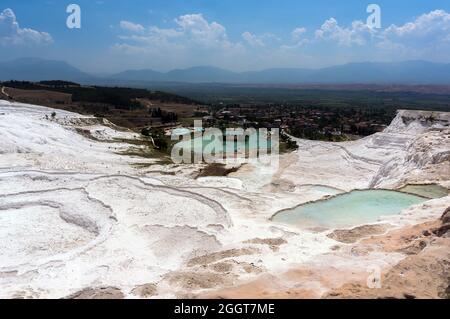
x: 430, y: 191
x: 199, y: 144
x: 349, y: 210
x: 326, y: 190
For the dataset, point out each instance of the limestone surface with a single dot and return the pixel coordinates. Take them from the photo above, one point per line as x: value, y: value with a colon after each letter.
x: 81, y: 217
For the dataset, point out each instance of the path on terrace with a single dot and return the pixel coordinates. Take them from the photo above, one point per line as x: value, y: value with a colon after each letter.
x: 4, y: 92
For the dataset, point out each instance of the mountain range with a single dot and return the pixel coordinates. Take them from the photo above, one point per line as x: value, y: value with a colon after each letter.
x: 408, y: 72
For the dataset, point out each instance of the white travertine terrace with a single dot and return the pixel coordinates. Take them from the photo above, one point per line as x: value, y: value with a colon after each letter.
x: 74, y: 213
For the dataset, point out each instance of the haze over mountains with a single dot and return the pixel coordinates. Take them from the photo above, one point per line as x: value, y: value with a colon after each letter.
x: 34, y: 69
x: 408, y: 72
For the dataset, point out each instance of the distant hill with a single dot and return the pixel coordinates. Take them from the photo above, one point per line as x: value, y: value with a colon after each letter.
x: 202, y: 74
x: 138, y: 75
x: 34, y: 69
x: 280, y: 75
x: 195, y: 75
x: 207, y: 74
x: 408, y: 72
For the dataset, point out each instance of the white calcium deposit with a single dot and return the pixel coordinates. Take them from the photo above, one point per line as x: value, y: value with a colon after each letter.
x: 77, y: 213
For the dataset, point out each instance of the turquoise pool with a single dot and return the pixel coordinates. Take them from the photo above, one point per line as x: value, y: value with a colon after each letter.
x: 430, y: 191
x: 349, y: 209
x: 199, y: 144
x: 325, y: 190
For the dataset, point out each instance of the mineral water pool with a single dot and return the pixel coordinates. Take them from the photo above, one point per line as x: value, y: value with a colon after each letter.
x: 325, y: 190
x: 349, y: 209
x: 430, y: 191
x: 197, y: 145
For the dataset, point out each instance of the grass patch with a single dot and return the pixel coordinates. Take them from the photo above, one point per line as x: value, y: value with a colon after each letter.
x: 217, y: 170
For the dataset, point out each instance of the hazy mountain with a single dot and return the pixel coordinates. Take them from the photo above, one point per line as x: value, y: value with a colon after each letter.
x: 280, y: 75
x: 139, y: 75
x: 202, y: 74
x: 34, y: 69
x: 207, y: 74
x: 194, y: 74
x: 409, y: 72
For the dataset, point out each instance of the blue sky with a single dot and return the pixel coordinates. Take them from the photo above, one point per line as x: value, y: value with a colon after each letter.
x: 238, y: 35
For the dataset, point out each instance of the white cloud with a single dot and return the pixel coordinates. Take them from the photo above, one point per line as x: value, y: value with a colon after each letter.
x: 190, y: 29
x: 298, y: 33
x: 359, y: 33
x: 195, y: 28
x: 12, y: 34
x: 430, y: 28
x: 198, y: 26
x: 435, y: 23
x: 252, y: 39
x: 299, y: 40
x: 426, y: 37
x: 130, y: 26
x: 192, y: 40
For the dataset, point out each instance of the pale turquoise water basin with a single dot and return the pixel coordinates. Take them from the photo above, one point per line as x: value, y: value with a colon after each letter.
x: 430, y: 191
x: 199, y: 144
x: 326, y: 190
x: 349, y: 209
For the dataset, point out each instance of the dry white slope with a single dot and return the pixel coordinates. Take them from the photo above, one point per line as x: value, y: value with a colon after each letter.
x: 362, y: 164
x: 75, y: 214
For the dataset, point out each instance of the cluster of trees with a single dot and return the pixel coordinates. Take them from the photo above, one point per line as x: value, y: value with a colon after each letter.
x: 166, y: 117
x: 158, y: 136
x: 23, y: 85
x: 312, y: 134
x: 121, y: 98
x: 290, y: 144
x: 59, y: 83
